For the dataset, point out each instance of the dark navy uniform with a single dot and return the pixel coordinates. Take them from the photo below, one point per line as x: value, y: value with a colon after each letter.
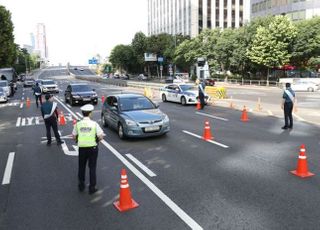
x: 288, y: 101
x: 37, y: 94
x: 50, y: 116
x: 201, y: 88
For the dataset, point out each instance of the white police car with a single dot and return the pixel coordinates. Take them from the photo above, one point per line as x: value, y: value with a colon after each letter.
x: 181, y: 93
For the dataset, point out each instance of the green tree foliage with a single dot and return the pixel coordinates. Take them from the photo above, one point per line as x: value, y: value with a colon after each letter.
x: 7, y: 45
x: 307, y: 42
x: 139, y: 46
x: 271, y: 45
x: 122, y: 57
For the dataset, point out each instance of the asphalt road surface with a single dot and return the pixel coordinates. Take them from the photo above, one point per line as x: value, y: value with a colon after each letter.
x: 240, y: 181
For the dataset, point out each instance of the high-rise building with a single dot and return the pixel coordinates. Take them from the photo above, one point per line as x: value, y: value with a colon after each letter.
x: 190, y: 17
x: 33, y: 41
x: 295, y: 9
x: 41, y: 41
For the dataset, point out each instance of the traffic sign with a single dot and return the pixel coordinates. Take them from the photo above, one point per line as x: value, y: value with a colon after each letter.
x: 93, y: 61
x: 160, y: 59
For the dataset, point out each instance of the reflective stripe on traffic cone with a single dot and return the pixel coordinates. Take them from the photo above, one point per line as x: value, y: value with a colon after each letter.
x: 207, y: 132
x: 302, y: 167
x: 244, y: 115
x: 62, y: 120
x: 125, y: 201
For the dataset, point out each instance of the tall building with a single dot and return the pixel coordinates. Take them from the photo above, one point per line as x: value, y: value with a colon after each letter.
x: 41, y: 41
x: 295, y: 9
x: 190, y: 17
x: 33, y: 41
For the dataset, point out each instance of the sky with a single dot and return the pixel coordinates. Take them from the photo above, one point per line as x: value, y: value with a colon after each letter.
x: 77, y: 30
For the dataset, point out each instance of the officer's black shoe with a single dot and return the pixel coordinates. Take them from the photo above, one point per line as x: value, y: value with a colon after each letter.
x: 284, y: 127
x: 81, y: 187
x: 48, y: 143
x: 60, y: 142
x: 92, y: 191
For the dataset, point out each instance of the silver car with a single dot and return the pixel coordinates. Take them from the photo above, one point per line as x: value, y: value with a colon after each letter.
x: 134, y: 115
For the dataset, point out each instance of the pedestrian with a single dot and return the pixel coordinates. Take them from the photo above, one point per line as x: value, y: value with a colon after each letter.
x: 37, y: 94
x: 287, y: 106
x: 87, y: 134
x: 50, y: 116
x: 201, y: 95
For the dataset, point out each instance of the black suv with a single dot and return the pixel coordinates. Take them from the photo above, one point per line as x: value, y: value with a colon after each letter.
x: 79, y: 93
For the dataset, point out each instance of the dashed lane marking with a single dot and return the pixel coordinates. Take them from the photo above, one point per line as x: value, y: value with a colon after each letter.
x: 141, y: 166
x: 8, y: 170
x: 173, y: 206
x: 9, y: 104
x: 18, y: 122
x: 69, y: 106
x: 211, y: 141
x: 79, y: 114
x: 214, y: 117
x: 21, y: 105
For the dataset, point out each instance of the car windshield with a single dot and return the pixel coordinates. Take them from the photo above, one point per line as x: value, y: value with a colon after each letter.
x: 6, y: 75
x: 81, y: 88
x: 1, y: 91
x: 187, y: 87
x: 135, y: 103
x: 3, y: 83
x: 48, y: 83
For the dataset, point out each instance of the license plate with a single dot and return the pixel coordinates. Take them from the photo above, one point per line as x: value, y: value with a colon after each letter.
x: 87, y: 99
x: 151, y: 128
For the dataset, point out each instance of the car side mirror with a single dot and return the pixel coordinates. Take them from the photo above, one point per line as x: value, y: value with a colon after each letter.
x: 156, y: 104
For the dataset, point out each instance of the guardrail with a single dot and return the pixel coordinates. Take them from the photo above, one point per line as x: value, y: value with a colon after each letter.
x: 250, y: 82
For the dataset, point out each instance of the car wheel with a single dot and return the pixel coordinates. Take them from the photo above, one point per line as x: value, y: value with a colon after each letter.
x: 65, y: 99
x: 72, y: 103
x: 103, y: 120
x: 95, y: 102
x: 310, y: 89
x: 120, y: 131
x: 164, y: 98
x: 183, y: 101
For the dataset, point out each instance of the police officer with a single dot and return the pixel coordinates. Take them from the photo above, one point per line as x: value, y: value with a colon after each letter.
x: 50, y: 116
x: 201, y: 95
x: 87, y: 133
x: 287, y: 106
x: 37, y: 94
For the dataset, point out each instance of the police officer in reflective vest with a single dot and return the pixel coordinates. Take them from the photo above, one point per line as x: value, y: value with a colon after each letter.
x: 287, y: 106
x: 87, y: 133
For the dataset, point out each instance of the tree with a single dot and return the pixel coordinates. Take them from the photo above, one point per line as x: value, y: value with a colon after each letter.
x: 271, y: 45
x: 139, y: 46
x: 122, y: 57
x: 307, y: 42
x: 7, y: 45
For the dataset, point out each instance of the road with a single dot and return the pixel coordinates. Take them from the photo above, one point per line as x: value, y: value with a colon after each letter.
x: 197, y: 184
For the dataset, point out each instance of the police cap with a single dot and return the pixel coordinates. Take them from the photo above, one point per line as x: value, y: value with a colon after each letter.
x: 87, y: 108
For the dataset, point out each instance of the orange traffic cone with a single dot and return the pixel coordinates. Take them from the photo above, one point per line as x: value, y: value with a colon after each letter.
x: 28, y: 102
x: 125, y: 201
x: 302, y: 167
x: 244, y: 116
x: 102, y: 99
x: 207, y: 132
x: 198, y: 105
x: 62, y: 120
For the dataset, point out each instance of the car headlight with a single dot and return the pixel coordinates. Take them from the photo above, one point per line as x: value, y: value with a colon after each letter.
x: 166, y: 119
x: 190, y: 94
x: 130, y: 122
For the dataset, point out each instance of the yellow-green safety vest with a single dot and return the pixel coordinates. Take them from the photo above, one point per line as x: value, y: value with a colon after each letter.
x: 86, y: 133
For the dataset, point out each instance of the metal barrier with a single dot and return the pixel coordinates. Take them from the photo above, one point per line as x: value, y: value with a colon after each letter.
x: 250, y: 82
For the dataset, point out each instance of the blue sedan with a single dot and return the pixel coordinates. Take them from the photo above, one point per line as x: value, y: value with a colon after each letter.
x: 134, y: 115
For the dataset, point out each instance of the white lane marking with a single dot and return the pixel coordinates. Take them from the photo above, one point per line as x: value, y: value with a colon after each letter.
x: 18, y: 122
x: 214, y: 117
x: 22, y: 98
x: 299, y: 118
x: 30, y: 120
x: 8, y: 170
x: 80, y: 115
x: 174, y: 207
x: 66, y: 108
x: 211, y: 141
x: 21, y: 105
x: 37, y: 120
x: 69, y: 106
x: 23, y: 123
x: 270, y: 113
x: 141, y: 166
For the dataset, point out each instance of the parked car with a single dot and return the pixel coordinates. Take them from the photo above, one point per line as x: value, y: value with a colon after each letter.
x: 3, y: 95
x: 6, y: 87
x: 305, y: 86
x: 134, y: 115
x: 209, y: 82
x: 48, y: 86
x: 78, y: 93
x: 142, y: 77
x: 28, y: 82
x: 181, y: 93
